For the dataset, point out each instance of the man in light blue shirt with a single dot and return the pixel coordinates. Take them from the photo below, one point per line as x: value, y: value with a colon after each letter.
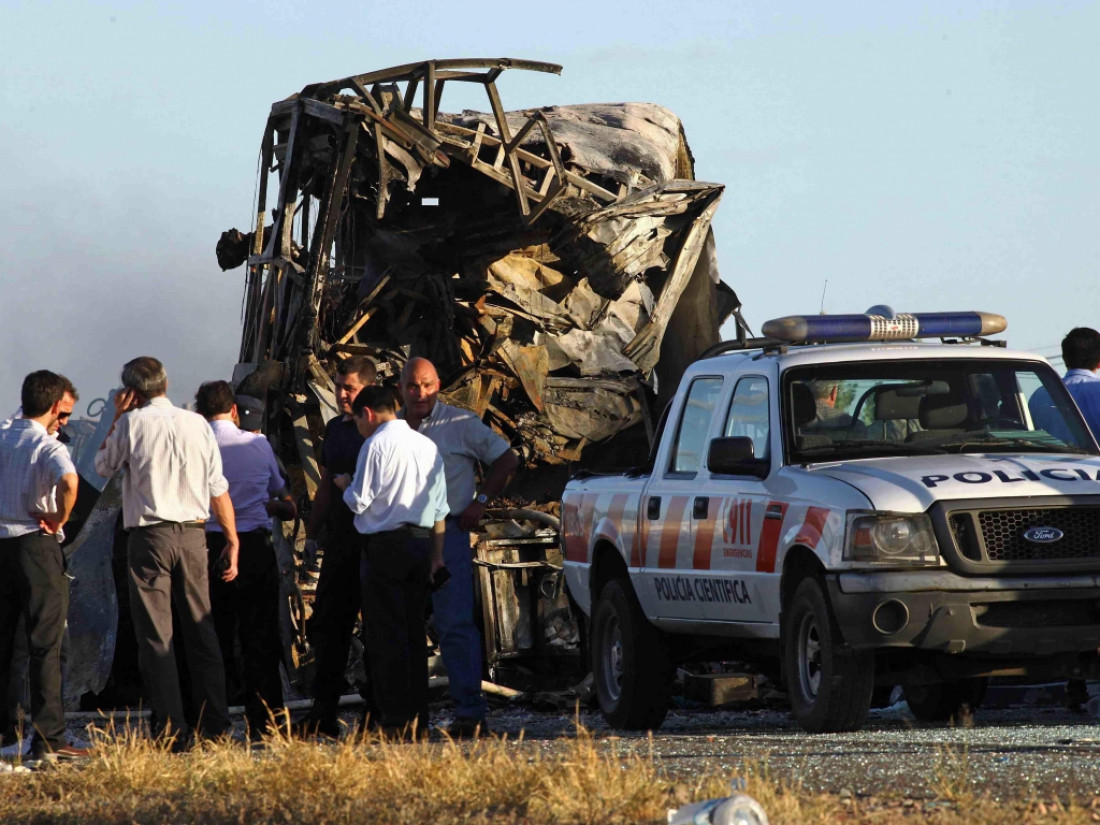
x: 1081, y: 354
x: 246, y: 610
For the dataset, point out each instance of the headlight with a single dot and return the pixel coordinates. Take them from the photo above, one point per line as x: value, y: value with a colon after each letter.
x: 898, y: 538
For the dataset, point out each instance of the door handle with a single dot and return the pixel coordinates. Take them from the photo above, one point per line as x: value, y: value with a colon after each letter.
x: 653, y: 508
x: 700, y: 508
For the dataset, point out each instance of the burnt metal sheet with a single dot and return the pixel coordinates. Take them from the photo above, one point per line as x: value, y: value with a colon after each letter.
x: 556, y: 264
x: 93, y: 602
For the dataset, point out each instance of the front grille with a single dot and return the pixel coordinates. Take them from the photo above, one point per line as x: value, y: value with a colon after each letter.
x: 1038, y: 614
x: 997, y: 536
x: 962, y: 530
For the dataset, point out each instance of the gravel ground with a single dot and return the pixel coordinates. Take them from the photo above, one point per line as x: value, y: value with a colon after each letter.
x: 1010, y: 753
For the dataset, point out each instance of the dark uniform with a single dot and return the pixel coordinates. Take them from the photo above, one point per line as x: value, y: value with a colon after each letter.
x: 338, y: 590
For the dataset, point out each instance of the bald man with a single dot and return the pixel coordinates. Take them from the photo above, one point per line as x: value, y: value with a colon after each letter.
x: 464, y: 442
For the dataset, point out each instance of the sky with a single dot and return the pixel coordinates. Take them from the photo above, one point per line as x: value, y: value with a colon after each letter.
x: 929, y: 156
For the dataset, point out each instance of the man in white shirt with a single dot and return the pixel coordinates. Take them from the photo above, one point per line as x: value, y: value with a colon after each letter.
x: 173, y: 481
x: 464, y: 441
x: 398, y: 495
x: 36, y: 468
x: 14, y: 697
x: 246, y: 610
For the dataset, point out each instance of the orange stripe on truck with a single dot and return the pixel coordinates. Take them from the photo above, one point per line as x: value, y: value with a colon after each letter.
x: 774, y: 514
x: 571, y: 526
x: 616, y: 510
x: 704, y: 537
x: 641, y: 536
x: 812, y: 527
x: 588, y: 511
x: 670, y: 531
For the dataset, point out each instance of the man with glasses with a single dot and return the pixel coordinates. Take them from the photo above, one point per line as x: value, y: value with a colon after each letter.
x: 68, y: 402
x: 38, y: 487
x: 15, y: 690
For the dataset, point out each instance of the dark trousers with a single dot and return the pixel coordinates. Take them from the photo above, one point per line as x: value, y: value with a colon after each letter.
x: 333, y: 622
x: 395, y: 594
x: 246, y: 613
x: 18, y: 696
x: 168, y: 566
x: 33, y: 586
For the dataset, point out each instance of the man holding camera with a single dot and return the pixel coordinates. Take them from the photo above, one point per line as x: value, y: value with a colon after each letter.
x: 173, y: 481
x: 399, y: 497
x: 247, y: 608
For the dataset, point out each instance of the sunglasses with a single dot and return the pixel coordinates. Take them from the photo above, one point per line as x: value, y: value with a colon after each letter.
x: 63, y: 416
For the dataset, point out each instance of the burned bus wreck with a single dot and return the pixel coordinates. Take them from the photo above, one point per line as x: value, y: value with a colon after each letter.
x: 557, y: 265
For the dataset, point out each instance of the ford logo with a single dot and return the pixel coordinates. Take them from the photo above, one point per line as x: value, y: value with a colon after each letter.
x: 1043, y: 535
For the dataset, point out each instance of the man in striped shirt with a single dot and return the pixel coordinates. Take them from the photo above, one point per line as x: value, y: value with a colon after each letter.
x: 34, y: 469
x: 173, y: 481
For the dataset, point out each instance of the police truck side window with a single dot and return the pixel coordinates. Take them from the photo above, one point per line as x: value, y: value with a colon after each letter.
x: 748, y: 414
x: 691, y: 436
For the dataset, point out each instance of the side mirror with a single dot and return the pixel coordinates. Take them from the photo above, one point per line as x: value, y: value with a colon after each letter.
x: 734, y: 456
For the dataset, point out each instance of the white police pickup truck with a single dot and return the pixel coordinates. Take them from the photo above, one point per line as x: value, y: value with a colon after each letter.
x: 850, y: 515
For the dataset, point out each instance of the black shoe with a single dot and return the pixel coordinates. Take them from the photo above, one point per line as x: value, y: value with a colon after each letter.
x: 466, y: 727
x: 404, y: 733
x: 310, y: 726
x: 368, y: 723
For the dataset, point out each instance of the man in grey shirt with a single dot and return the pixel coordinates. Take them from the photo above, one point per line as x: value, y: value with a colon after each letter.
x: 173, y: 481
x: 464, y: 441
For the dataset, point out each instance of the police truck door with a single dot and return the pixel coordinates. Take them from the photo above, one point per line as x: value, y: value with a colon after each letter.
x: 668, y: 579
x: 737, y: 527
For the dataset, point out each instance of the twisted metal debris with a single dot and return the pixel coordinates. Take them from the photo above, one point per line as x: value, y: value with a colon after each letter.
x: 555, y: 264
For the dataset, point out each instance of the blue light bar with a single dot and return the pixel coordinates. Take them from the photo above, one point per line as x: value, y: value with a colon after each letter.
x: 902, y: 327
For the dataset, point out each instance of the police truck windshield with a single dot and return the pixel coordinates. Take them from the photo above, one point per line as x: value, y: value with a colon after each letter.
x: 834, y: 412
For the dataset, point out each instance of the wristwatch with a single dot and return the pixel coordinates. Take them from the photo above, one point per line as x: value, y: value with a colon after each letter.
x: 481, y: 499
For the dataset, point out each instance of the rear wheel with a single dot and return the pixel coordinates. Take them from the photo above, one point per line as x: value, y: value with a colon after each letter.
x: 630, y: 665
x: 829, y: 685
x: 940, y: 702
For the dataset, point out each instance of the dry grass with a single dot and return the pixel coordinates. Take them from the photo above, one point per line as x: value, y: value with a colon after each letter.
x: 129, y: 780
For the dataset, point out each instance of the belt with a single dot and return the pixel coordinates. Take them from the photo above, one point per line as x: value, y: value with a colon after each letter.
x: 411, y: 530
x: 194, y: 525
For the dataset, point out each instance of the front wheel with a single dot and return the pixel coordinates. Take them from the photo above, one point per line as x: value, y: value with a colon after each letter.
x: 942, y: 701
x: 629, y: 663
x: 829, y: 685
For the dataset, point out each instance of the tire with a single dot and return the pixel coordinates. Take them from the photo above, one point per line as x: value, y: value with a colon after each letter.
x: 828, y: 684
x: 630, y: 664
x: 940, y: 702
